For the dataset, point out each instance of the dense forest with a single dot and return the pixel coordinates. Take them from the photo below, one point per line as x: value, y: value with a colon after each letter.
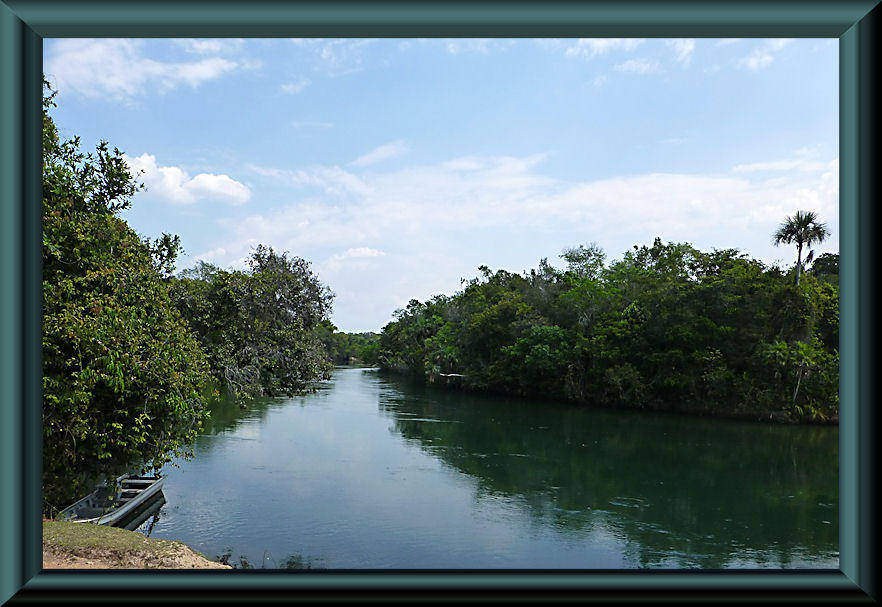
x: 666, y: 327
x: 133, y: 354
x: 259, y: 327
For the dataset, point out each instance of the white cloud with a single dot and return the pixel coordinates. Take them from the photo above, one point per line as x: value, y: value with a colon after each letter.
x: 804, y: 159
x: 433, y: 220
x: 456, y: 46
x: 292, y: 88
x: 728, y: 41
x: 173, y: 184
x: 331, y: 180
x: 335, y: 56
x: 210, y: 256
x: 204, y: 46
x: 390, y: 206
x: 808, y: 151
x: 116, y: 68
x: 763, y: 55
x: 360, y: 253
x: 206, y: 185
x: 639, y: 66
x: 588, y: 48
x: 384, y: 152
x: 683, y: 49
x: 356, y: 258
x: 481, y: 192
x: 778, y: 165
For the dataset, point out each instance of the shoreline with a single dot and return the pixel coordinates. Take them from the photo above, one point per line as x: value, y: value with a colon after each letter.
x: 779, y: 417
x: 89, y: 546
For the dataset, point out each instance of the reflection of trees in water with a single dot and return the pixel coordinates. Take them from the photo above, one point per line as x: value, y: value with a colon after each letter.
x: 292, y: 561
x: 227, y: 414
x: 681, y: 491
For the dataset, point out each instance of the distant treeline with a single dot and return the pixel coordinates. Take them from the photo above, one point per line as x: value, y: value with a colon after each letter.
x: 666, y: 327
x: 346, y: 348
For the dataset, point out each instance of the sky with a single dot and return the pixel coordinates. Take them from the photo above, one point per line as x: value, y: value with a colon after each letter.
x: 398, y: 166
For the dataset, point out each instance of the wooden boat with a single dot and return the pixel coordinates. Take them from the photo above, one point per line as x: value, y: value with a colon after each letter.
x: 109, y: 504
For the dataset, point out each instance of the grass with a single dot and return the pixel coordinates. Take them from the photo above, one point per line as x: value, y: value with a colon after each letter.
x: 78, y: 538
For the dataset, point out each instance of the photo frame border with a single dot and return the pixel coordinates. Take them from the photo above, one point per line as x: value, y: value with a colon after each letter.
x: 24, y: 24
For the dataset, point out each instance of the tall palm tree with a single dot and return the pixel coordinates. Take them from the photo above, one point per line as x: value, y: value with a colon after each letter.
x: 805, y: 230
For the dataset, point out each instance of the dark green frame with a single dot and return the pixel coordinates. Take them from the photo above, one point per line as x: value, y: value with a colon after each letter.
x: 23, y: 24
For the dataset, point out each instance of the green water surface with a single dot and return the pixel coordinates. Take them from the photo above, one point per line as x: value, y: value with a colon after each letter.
x: 376, y: 472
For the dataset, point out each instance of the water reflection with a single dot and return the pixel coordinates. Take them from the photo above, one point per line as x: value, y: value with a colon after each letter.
x: 145, y: 517
x: 227, y: 415
x: 375, y: 472
x: 676, y: 491
x: 291, y: 562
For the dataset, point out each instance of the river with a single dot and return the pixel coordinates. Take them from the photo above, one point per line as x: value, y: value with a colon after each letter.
x: 375, y: 472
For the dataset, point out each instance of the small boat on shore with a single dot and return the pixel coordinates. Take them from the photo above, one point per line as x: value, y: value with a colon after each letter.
x: 139, y: 515
x: 109, y: 504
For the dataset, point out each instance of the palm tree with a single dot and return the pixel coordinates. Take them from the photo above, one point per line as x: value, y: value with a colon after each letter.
x: 805, y: 230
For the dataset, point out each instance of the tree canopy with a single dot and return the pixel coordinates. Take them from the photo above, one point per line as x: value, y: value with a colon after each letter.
x: 665, y: 327
x: 805, y: 229
x: 123, y: 374
x: 258, y: 327
x: 132, y: 355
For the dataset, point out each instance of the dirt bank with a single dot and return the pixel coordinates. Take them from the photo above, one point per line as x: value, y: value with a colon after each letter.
x: 88, y: 546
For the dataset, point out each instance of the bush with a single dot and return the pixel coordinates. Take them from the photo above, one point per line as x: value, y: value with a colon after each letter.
x: 122, y: 374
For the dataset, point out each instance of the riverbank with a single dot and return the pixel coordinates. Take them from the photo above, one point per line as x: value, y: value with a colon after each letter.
x: 668, y: 327
x: 455, y: 383
x: 86, y: 546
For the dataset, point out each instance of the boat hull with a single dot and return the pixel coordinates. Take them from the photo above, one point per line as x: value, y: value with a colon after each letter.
x: 83, y: 510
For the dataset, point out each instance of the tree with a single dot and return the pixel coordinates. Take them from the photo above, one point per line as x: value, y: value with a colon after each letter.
x: 804, y: 229
x: 665, y: 327
x: 827, y: 267
x: 585, y: 262
x: 123, y: 376
x: 260, y: 328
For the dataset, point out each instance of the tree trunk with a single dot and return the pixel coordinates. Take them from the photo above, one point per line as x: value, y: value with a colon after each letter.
x: 798, y: 263
x: 798, y: 380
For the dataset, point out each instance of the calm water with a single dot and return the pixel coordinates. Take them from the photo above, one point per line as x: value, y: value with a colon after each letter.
x: 375, y: 472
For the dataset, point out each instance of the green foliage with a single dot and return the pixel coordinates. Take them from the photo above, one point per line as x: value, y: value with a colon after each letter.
x: 805, y: 229
x: 258, y: 327
x: 707, y: 493
x: 131, y: 354
x: 813, y: 373
x: 666, y: 327
x: 345, y: 348
x: 826, y: 267
x: 123, y: 377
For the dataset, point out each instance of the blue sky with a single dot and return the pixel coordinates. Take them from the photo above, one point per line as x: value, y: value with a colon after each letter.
x: 398, y: 166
